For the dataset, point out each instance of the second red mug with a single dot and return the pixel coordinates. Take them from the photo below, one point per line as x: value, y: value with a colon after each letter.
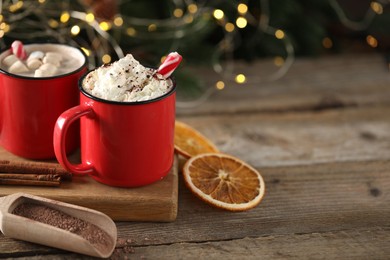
x: 125, y: 144
x: 30, y: 106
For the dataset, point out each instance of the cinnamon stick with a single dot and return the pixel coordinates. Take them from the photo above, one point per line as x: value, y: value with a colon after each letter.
x: 39, y: 176
x: 29, y: 176
x: 32, y: 167
x: 29, y: 182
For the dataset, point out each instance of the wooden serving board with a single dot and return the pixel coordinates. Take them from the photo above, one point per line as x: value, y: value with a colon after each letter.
x: 154, y: 202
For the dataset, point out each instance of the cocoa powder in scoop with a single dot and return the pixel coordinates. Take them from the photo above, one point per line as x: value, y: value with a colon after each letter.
x: 93, y: 234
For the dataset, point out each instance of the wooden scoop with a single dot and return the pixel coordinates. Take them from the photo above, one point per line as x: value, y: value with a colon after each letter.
x: 23, y: 228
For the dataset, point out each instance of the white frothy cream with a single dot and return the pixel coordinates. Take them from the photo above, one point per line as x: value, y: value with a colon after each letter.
x: 126, y: 80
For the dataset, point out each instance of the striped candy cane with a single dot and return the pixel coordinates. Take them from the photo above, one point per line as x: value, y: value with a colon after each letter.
x: 18, y: 50
x: 170, y: 64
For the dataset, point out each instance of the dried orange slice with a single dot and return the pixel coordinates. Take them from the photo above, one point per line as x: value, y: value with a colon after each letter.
x: 224, y: 181
x: 189, y: 142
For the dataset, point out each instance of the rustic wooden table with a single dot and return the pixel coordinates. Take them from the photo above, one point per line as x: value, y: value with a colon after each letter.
x: 320, y: 136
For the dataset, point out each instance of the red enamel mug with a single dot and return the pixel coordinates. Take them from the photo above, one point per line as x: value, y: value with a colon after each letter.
x: 126, y: 144
x: 29, y: 106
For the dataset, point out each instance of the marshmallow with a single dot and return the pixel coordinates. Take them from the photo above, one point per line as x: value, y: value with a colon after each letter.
x: 9, y: 60
x: 18, y: 67
x: 54, y: 55
x: 36, y: 55
x: 33, y: 63
x: 46, y: 70
x: 52, y: 60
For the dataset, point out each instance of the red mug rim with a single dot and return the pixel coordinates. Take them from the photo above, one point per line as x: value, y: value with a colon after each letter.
x: 170, y: 92
x: 51, y: 77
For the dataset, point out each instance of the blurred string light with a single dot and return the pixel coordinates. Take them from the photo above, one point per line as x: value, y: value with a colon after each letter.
x: 241, y: 22
x: 240, y: 78
x: 218, y: 14
x: 376, y: 8
x: 372, y: 41
x: 327, y: 43
x: 187, y: 18
x: 244, y: 18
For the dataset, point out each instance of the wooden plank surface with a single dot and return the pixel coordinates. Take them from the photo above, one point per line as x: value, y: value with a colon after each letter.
x: 299, y: 199
x: 294, y: 138
x: 353, y: 244
x: 320, y: 136
x: 310, y: 84
x: 155, y: 202
x: 326, y: 198
x: 350, y: 244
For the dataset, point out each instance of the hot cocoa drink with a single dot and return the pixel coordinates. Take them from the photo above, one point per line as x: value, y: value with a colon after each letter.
x: 41, y: 60
x: 126, y: 80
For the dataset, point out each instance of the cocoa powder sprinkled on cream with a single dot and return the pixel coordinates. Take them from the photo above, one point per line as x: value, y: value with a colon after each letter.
x: 126, y: 80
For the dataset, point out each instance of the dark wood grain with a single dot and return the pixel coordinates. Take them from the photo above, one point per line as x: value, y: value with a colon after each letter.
x: 349, y: 244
